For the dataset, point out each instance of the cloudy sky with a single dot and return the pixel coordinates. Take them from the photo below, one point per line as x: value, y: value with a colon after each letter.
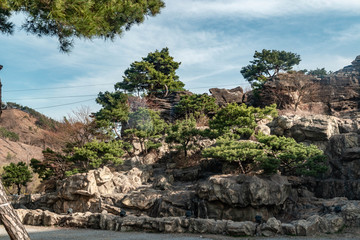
x: 212, y: 39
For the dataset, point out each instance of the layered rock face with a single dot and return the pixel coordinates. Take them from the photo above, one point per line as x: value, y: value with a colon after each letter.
x: 336, y: 94
x: 225, y: 96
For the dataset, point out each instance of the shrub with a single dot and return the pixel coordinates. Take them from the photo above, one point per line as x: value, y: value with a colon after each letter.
x: 4, y: 133
x: 270, y: 154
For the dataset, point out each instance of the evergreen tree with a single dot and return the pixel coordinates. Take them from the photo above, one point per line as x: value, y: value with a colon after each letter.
x: 114, y: 112
x: 240, y: 120
x: 147, y: 127
x: 155, y: 75
x: 16, y: 174
x: 96, y: 154
x: 87, y: 19
x: 196, y: 105
x: 270, y: 154
x: 183, y: 133
x: 267, y: 64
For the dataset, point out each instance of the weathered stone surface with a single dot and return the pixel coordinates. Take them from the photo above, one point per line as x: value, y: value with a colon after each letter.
x: 241, y: 228
x: 288, y: 229
x: 142, y: 200
x: 225, y: 96
x: 335, y: 223
x: 305, y: 228
x: 271, y: 227
x: 243, y: 190
x: 351, y: 213
x: 310, y: 128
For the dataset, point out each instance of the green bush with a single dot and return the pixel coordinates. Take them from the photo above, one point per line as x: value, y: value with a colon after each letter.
x: 16, y: 174
x: 196, y: 105
x: 4, y: 133
x: 270, y: 154
x: 182, y: 135
x: 147, y: 127
x: 240, y: 120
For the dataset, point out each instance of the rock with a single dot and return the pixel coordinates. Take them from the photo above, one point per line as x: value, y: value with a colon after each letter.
x: 288, y: 229
x: 186, y: 174
x: 225, y: 96
x: 103, y: 175
x: 271, y: 227
x: 310, y: 128
x: 335, y: 223
x: 241, y: 228
x: 243, y: 190
x: 142, y: 200
x: 351, y: 213
x: 161, y: 183
x: 305, y: 228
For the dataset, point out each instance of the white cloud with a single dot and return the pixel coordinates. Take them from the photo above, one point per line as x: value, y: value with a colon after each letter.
x: 260, y: 8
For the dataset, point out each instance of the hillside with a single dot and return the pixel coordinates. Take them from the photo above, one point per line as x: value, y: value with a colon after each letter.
x: 31, y: 138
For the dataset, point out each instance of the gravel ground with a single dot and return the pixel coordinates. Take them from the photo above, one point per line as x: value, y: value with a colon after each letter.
x: 53, y: 233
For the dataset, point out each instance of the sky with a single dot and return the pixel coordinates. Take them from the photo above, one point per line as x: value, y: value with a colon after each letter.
x: 213, y: 40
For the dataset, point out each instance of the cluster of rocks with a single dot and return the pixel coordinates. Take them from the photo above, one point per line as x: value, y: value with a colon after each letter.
x: 336, y: 94
x: 329, y: 223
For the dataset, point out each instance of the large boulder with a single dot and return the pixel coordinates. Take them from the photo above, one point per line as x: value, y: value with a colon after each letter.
x: 244, y: 190
x: 81, y: 192
x: 226, y: 96
x: 309, y: 128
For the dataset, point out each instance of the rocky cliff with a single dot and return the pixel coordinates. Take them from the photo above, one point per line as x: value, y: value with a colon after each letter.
x: 158, y: 196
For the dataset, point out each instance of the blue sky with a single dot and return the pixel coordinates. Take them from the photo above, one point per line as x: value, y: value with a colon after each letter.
x: 212, y: 39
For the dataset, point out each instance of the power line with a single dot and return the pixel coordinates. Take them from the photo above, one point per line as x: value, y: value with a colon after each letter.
x: 65, y: 104
x: 92, y: 85
x: 53, y: 88
x: 42, y: 98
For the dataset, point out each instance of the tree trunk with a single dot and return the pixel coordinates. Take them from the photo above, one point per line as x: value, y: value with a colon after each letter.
x: 10, y: 219
x: 0, y: 98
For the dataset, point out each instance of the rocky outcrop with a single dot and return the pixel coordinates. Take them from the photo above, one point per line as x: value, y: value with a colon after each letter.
x: 226, y: 96
x: 243, y: 197
x: 81, y: 192
x: 329, y: 223
x: 336, y: 94
x: 166, y: 105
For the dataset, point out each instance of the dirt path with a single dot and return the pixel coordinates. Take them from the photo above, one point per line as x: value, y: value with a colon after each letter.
x: 53, y: 233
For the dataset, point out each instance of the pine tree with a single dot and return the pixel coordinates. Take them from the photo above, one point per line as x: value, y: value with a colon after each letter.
x: 85, y: 19
x: 16, y: 174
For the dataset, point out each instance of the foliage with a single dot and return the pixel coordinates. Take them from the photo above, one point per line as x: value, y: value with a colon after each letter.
x: 78, y: 18
x: 318, y: 72
x: 146, y: 126
x: 96, y: 154
x: 196, y: 105
x: 183, y: 132
x: 4, y: 133
x: 53, y: 166
x: 114, y: 111
x: 270, y: 154
x: 154, y: 75
x: 42, y: 121
x: 229, y: 149
x: 240, y: 120
x: 79, y: 128
x: 267, y: 64
x: 16, y: 174
x: 294, y: 158
x: 43, y: 170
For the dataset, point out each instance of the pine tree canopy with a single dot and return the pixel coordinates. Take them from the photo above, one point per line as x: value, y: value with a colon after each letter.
x: 69, y: 19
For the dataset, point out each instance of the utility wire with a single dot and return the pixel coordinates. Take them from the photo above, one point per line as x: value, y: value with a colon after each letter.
x: 65, y: 104
x: 92, y: 85
x: 44, y: 98
x: 59, y: 105
x: 53, y: 88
